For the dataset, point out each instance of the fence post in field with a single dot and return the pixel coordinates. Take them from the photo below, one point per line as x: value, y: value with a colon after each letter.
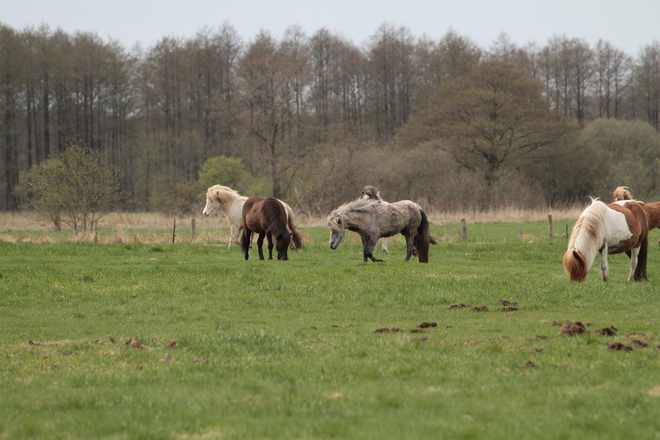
x: 192, y: 230
x: 521, y: 233
x: 96, y: 231
x: 174, y: 231
x: 566, y: 230
x: 550, y: 225
x: 464, y: 225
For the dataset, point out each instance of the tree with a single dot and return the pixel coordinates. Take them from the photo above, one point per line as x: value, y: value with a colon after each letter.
x: 223, y: 170
x: 493, y: 118
x: 77, y: 187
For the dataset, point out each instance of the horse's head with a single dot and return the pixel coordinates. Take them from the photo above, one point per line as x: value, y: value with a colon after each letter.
x: 212, y: 202
x: 282, y: 242
x: 337, y: 230
x: 621, y: 193
x: 369, y: 192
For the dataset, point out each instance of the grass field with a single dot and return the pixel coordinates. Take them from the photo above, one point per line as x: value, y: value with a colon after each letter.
x: 151, y: 340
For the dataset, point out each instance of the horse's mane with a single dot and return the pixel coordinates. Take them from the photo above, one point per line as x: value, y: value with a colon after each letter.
x: 224, y: 194
x: 588, y: 233
x: 357, y: 205
x: 622, y: 193
x: 274, y: 213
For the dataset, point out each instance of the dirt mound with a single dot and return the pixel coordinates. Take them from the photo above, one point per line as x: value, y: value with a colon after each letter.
x: 509, y: 309
x: 427, y: 324
x: 134, y: 343
x: 573, y: 328
x: 618, y: 346
x: 480, y: 308
x: 388, y: 330
x: 607, y: 331
x: 458, y: 306
x: 505, y: 303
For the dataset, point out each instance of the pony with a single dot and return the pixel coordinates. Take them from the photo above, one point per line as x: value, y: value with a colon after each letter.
x: 619, y: 227
x: 372, y: 220
x: 622, y: 193
x: 266, y: 217
x: 231, y: 203
x: 370, y: 192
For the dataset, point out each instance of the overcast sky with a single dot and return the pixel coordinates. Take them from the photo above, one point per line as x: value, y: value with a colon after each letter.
x: 629, y: 25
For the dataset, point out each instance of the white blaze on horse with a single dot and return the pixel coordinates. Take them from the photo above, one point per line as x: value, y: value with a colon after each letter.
x: 372, y: 220
x: 370, y: 192
x: 231, y: 203
x: 608, y: 229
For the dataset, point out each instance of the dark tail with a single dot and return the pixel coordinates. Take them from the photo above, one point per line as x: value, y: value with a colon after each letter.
x: 640, y: 270
x: 422, y: 240
x: 245, y: 241
x: 275, y: 216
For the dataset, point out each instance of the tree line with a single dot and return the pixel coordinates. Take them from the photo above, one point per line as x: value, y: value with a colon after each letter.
x: 313, y: 117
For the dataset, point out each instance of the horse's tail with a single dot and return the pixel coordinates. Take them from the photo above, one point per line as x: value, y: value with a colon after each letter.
x: 275, y: 215
x: 640, y: 270
x: 245, y: 243
x: 575, y: 265
x: 423, y: 239
x: 296, y: 236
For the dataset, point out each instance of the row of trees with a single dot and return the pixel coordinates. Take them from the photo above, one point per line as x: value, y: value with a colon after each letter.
x: 309, y: 116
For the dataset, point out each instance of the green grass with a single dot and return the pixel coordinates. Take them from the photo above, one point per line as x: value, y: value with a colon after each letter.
x: 269, y: 349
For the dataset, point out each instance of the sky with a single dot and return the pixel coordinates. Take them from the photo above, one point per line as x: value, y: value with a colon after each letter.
x: 629, y: 27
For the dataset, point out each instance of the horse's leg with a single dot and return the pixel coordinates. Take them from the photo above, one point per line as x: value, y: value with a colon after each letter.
x: 368, y: 248
x: 603, y: 262
x: 410, y: 247
x: 233, y: 237
x: 247, y: 236
x: 633, y: 263
x: 269, y: 237
x: 383, y: 245
x: 260, y: 244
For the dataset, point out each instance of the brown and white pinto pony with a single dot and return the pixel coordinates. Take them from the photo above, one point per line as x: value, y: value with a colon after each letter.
x: 619, y: 227
x: 266, y: 217
x: 230, y: 202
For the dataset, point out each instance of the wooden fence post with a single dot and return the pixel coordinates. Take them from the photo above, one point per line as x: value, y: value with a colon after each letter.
x: 464, y: 225
x: 550, y: 225
x: 192, y: 230
x: 566, y: 230
x: 96, y: 231
x: 521, y: 233
x: 174, y: 231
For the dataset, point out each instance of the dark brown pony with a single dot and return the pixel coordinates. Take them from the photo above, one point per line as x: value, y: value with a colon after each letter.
x: 266, y: 217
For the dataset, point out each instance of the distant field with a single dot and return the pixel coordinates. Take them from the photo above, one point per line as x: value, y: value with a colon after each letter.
x: 148, y: 339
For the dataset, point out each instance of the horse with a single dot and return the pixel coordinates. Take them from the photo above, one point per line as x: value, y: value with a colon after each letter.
x: 266, y: 217
x: 370, y: 192
x: 372, y: 220
x: 622, y: 193
x: 230, y: 202
x: 621, y: 226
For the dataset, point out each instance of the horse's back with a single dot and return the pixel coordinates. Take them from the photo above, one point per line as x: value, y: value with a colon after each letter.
x: 252, y: 213
x: 627, y: 225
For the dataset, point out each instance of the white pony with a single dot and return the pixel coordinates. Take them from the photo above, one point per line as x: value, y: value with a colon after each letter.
x: 230, y: 202
x: 370, y: 192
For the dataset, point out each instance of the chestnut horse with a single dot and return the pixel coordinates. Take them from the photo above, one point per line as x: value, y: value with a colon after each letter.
x: 266, y: 217
x: 619, y: 227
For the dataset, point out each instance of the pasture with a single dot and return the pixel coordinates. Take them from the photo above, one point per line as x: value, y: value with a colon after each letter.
x: 155, y: 340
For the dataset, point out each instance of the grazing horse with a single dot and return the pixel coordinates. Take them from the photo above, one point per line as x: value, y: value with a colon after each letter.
x: 652, y: 209
x: 608, y: 229
x: 370, y: 192
x: 372, y: 220
x: 266, y: 217
x: 231, y: 203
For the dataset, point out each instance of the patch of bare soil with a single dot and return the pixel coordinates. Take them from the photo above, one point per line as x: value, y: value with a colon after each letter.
x: 640, y: 343
x: 170, y: 345
x: 632, y: 334
x: 618, y: 346
x: 509, y: 309
x: 480, y: 308
x: 33, y: 343
x: 134, y: 343
x: 459, y: 306
x: 388, y: 330
x: 530, y: 364
x: 607, y: 331
x: 573, y: 328
x: 427, y: 324
x: 542, y: 337
x: 505, y: 303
